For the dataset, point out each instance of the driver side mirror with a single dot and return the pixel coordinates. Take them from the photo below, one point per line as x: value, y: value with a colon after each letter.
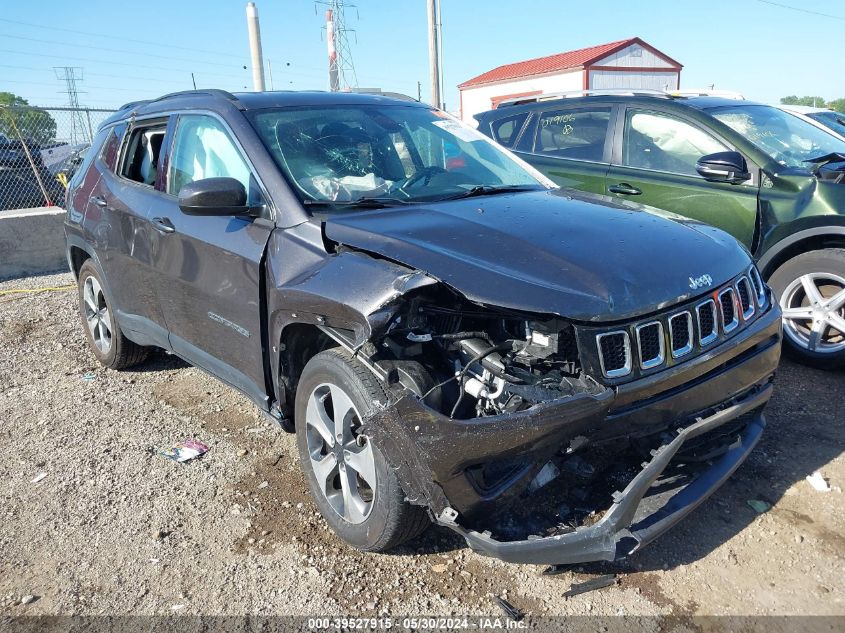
x: 214, y: 196
x: 727, y: 167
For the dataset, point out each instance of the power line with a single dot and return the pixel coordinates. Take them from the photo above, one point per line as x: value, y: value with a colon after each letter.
x: 111, y: 50
x: 800, y: 10
x: 113, y: 63
x: 123, y: 39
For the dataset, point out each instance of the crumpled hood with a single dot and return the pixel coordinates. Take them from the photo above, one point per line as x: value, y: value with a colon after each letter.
x: 584, y: 257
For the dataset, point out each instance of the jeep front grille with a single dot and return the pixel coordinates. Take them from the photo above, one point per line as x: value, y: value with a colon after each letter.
x: 615, y: 354
x: 707, y: 331
x: 641, y: 347
x: 650, y: 344
x: 759, y: 287
x: 727, y: 306
x: 746, y: 301
x: 680, y: 334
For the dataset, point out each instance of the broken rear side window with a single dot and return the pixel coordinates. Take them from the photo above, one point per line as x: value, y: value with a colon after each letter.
x: 140, y: 162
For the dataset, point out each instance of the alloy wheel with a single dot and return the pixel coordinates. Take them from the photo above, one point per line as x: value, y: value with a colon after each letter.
x: 814, y: 312
x: 341, y: 458
x: 97, y: 315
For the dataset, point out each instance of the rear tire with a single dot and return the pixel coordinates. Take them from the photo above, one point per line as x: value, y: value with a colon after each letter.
x: 810, y: 289
x: 354, y: 488
x: 102, y: 331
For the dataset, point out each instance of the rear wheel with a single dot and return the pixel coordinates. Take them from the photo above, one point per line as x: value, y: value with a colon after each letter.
x: 811, y: 291
x: 102, y: 331
x: 356, y: 491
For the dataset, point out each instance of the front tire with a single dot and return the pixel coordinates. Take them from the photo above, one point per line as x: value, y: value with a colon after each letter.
x: 810, y: 289
x: 354, y: 488
x: 105, y: 339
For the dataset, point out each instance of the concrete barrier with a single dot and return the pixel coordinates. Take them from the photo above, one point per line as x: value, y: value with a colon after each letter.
x: 32, y: 242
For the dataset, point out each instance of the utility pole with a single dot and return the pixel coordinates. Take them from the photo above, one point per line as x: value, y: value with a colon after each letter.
x: 341, y: 67
x: 434, y: 53
x: 334, y: 80
x: 255, y: 47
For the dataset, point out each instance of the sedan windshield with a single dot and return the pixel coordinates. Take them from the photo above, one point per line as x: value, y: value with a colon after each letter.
x: 785, y: 137
x: 380, y: 155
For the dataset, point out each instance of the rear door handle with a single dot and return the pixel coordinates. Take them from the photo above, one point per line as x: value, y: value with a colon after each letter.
x: 625, y: 189
x: 100, y: 202
x: 164, y: 225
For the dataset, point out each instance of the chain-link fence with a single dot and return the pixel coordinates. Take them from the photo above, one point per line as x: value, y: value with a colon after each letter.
x: 40, y: 149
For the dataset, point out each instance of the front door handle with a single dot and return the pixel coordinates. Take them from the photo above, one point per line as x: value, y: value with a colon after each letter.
x: 100, y: 202
x: 625, y: 189
x: 164, y: 225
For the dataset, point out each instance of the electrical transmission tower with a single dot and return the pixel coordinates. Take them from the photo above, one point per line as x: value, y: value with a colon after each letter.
x: 341, y: 67
x: 72, y: 75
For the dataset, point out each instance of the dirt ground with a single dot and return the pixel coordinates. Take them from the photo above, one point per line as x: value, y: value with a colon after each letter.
x: 114, y: 528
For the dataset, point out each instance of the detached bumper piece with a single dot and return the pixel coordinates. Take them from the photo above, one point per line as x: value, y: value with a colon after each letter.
x: 639, y: 513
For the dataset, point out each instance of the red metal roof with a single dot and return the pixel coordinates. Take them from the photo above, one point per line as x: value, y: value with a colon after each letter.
x: 562, y: 61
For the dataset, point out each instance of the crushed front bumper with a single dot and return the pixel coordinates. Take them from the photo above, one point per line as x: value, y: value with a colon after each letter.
x: 625, y: 527
x: 437, y: 458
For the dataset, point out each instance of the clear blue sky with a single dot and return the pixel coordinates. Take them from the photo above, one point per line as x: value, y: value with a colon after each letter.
x: 132, y: 50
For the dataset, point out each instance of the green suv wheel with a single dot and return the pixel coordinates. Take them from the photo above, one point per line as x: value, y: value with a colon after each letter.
x: 811, y: 291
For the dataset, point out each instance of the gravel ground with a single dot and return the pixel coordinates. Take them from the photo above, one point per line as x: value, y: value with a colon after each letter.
x: 114, y: 528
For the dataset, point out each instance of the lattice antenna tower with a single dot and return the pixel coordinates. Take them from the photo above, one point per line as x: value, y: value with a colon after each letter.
x: 342, y: 62
x: 73, y: 76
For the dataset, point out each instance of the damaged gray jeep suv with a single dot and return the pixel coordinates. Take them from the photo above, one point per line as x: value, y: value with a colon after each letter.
x: 558, y: 377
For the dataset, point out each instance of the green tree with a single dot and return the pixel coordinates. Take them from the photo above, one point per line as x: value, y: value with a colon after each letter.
x: 815, y: 102
x: 837, y: 104
x: 32, y: 123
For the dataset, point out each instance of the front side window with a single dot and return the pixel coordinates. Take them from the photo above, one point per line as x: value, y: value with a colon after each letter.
x: 578, y: 134
x: 143, y: 151
x: 663, y: 143
x: 341, y: 154
x: 786, y: 138
x: 202, y: 148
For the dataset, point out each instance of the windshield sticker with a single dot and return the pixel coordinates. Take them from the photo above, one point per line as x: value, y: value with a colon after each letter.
x: 458, y: 130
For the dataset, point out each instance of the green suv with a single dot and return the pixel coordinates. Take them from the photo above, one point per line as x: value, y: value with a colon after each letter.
x: 772, y: 180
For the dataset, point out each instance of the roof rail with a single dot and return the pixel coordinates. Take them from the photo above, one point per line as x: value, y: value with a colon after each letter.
x: 208, y: 92
x: 571, y: 94
x: 132, y: 104
x: 726, y: 94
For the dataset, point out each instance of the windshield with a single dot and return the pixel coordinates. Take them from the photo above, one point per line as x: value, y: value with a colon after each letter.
x: 785, y: 137
x: 834, y: 120
x: 346, y: 154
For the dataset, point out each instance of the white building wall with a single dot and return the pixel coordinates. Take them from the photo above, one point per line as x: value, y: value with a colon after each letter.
x: 624, y: 79
x: 477, y: 99
x: 634, y: 56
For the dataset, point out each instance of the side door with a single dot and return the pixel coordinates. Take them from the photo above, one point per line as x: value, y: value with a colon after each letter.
x: 571, y: 145
x: 655, y: 165
x: 116, y: 223
x: 209, y: 268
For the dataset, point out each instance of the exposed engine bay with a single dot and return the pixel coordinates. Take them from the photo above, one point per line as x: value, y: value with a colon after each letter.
x: 478, y: 362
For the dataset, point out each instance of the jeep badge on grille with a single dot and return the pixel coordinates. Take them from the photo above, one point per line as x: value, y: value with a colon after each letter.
x: 704, y: 281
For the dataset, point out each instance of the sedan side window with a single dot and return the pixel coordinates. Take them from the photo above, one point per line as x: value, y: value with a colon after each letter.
x: 663, y: 143
x: 578, y: 134
x: 202, y: 148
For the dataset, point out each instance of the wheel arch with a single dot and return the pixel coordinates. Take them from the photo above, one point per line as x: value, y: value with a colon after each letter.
x: 298, y: 343
x: 813, y: 239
